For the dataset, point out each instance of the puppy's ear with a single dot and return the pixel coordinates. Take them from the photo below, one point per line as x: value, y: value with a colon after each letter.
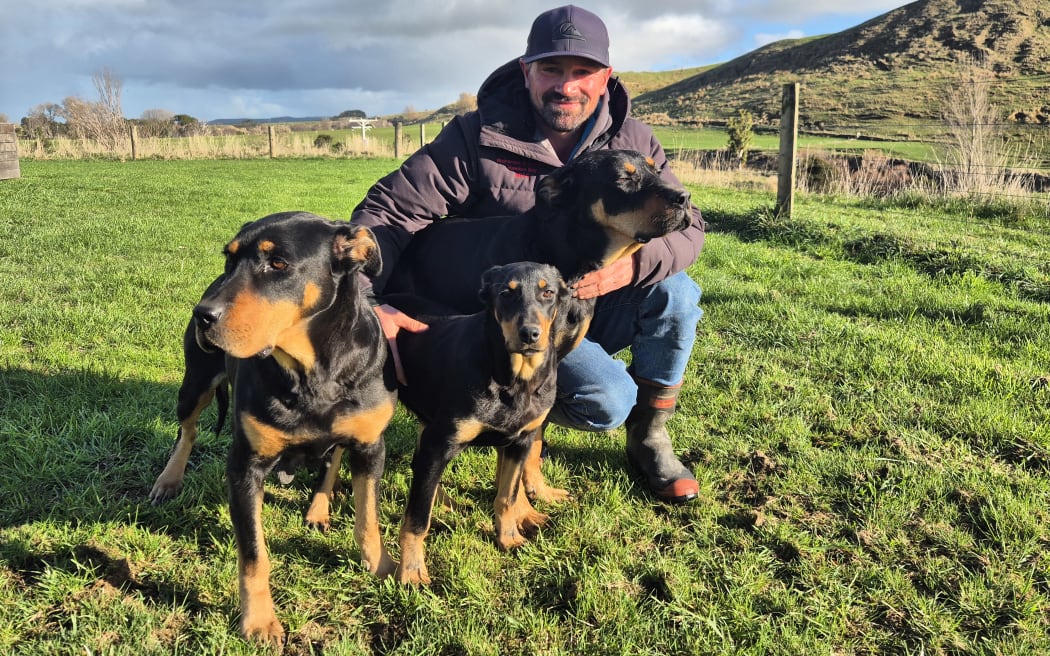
x: 564, y: 292
x: 490, y: 279
x: 355, y: 249
x: 556, y: 189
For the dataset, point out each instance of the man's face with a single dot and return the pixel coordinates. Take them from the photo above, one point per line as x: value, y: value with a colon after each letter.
x: 565, y: 90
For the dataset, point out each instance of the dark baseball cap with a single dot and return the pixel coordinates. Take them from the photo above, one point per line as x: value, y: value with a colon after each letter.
x: 568, y: 31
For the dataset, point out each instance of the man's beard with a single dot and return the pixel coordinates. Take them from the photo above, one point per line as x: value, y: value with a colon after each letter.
x: 560, y: 119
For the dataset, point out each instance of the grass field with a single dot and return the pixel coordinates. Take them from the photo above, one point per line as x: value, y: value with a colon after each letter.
x: 867, y: 411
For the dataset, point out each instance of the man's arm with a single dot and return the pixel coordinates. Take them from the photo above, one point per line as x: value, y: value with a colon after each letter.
x: 432, y: 183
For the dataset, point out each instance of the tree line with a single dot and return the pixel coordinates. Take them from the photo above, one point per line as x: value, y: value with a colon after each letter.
x: 103, y: 121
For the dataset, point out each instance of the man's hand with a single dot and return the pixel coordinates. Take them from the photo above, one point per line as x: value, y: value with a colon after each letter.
x: 393, y: 320
x: 609, y: 278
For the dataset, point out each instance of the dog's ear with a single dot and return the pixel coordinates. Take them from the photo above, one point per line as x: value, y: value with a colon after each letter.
x: 355, y: 249
x: 564, y: 292
x: 556, y: 189
x: 489, y: 279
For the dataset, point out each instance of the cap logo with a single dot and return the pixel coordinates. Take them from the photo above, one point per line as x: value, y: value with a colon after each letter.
x: 568, y: 31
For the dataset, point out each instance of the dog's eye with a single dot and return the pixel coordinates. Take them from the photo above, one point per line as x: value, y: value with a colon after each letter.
x: 631, y: 182
x: 547, y: 294
x: 278, y: 264
x: 506, y: 292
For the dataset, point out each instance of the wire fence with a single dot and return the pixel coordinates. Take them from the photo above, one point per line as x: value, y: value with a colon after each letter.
x: 977, y: 148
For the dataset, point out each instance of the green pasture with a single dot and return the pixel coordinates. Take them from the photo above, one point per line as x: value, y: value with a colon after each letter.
x: 867, y: 411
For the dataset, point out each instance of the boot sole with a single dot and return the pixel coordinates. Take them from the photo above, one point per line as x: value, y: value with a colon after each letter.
x: 687, y: 488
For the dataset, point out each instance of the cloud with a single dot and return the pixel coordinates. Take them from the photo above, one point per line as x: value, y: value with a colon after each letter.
x: 218, y: 58
x: 667, y: 41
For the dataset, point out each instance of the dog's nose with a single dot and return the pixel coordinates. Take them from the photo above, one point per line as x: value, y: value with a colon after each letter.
x: 206, y: 315
x: 529, y: 334
x: 683, y: 198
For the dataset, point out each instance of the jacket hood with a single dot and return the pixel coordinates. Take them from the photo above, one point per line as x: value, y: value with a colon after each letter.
x: 504, y: 107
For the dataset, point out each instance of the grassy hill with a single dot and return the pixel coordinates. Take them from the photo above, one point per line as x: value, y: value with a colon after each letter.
x: 887, y: 75
x: 891, y: 68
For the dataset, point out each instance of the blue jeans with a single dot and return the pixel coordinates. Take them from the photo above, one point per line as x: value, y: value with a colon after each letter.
x: 658, y: 324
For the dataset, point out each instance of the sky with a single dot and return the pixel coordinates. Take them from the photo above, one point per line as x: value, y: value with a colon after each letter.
x: 215, y: 59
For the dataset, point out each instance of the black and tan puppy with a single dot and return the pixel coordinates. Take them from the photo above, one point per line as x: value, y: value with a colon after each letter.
x: 484, y: 379
x: 310, y: 373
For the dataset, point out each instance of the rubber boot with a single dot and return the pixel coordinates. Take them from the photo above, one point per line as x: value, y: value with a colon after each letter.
x: 649, y: 450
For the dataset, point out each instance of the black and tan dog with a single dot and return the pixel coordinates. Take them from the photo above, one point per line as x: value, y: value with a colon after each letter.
x: 599, y: 208
x: 204, y: 380
x: 484, y: 379
x: 310, y: 373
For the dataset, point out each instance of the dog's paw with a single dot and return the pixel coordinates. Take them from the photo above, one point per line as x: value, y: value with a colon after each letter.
x: 531, y: 520
x: 164, y: 490
x: 264, y: 628
x: 510, y: 538
x: 548, y: 494
x: 318, y: 515
x: 415, y: 574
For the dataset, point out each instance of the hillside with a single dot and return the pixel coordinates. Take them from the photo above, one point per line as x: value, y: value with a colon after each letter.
x: 894, y: 66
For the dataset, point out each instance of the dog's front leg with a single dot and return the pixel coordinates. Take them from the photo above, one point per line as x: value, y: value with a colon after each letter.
x: 513, y: 512
x: 245, y: 472
x: 533, y: 479
x: 366, y: 471
x: 433, y: 453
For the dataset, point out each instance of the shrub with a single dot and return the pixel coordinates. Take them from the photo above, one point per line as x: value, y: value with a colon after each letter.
x: 740, y: 132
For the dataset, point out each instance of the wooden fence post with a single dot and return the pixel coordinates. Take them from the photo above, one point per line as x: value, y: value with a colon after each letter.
x: 788, y: 156
x: 134, y: 141
x: 269, y: 133
x: 422, y: 134
x: 8, y: 152
x: 397, y: 139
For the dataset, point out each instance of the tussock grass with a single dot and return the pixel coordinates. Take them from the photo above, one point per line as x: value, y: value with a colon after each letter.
x: 870, y: 429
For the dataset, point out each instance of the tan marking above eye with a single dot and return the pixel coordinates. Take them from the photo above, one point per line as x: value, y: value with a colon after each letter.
x: 630, y: 168
x: 266, y: 246
x: 513, y: 284
x: 542, y: 283
x: 232, y: 247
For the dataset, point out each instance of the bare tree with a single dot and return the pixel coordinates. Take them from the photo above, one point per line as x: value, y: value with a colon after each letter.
x: 103, y: 120
x: 977, y: 156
